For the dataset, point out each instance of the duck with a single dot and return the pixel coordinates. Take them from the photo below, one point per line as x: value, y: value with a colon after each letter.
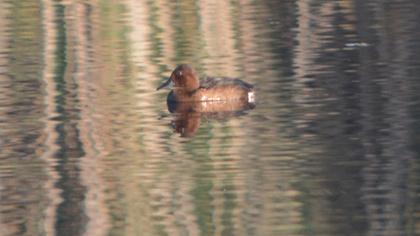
x: 187, y: 87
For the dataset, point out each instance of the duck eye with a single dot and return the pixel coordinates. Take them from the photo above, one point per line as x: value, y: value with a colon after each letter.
x: 180, y: 73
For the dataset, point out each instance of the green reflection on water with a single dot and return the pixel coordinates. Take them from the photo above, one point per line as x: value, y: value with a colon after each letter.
x: 71, y: 218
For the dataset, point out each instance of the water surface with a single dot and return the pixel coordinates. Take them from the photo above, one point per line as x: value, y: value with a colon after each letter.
x: 88, y: 147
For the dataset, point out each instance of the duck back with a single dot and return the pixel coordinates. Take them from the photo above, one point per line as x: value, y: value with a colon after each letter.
x: 214, y: 82
x: 224, y: 89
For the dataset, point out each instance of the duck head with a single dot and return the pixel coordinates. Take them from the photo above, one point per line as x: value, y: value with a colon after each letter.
x: 183, y: 79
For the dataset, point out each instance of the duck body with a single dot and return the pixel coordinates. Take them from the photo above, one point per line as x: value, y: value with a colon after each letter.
x: 187, y: 87
x: 187, y: 116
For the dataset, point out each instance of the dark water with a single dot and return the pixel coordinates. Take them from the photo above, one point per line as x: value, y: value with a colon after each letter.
x: 88, y: 147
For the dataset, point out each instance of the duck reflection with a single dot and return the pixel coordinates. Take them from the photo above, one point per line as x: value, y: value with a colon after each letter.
x: 187, y: 116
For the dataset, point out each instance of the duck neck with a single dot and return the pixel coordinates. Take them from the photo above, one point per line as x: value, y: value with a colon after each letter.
x: 184, y: 93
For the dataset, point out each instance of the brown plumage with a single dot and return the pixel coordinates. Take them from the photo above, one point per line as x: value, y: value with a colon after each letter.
x: 187, y: 87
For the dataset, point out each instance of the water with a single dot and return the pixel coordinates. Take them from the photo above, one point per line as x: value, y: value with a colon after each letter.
x: 88, y: 147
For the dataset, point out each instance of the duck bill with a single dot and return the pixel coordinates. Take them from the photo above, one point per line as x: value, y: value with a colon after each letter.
x: 168, y: 84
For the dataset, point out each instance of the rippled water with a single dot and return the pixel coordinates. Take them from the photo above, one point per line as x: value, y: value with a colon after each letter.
x: 88, y: 146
